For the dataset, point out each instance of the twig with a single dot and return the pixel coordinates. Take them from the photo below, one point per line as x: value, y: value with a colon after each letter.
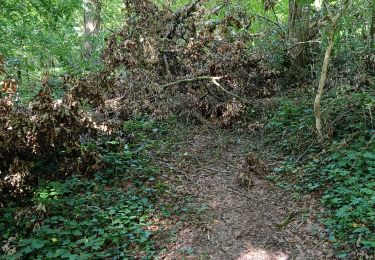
x: 109, y: 29
x: 179, y: 16
x: 215, y: 170
x: 299, y: 158
x: 274, y: 13
x: 364, y: 148
x: 297, y: 43
x: 214, y: 10
x: 256, y: 34
x: 237, y: 192
x: 290, y: 218
x: 214, y: 80
x: 273, y: 22
x: 190, y: 80
x: 167, y: 67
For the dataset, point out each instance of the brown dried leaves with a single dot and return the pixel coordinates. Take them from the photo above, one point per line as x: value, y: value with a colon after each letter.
x: 158, y: 46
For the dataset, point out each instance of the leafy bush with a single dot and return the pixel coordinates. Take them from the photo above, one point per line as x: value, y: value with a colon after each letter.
x: 350, y: 172
x: 342, y: 169
x: 109, y: 216
x: 293, y: 125
x: 80, y: 228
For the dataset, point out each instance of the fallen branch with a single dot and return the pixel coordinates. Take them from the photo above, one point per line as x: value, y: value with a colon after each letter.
x: 214, y: 80
x: 190, y: 80
x: 212, y: 94
x: 179, y: 17
x: 298, y: 43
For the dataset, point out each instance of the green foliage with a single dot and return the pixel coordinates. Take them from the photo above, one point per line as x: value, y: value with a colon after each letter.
x: 102, y: 222
x: 105, y: 217
x: 294, y: 125
x: 108, y: 216
x: 350, y: 197
x: 37, y: 31
x: 342, y: 169
x: 39, y: 36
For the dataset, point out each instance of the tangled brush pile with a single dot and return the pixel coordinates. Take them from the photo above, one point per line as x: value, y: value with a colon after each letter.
x: 45, y: 140
x: 178, y: 63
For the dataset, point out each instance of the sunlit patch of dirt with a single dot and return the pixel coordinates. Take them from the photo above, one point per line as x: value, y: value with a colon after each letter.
x: 254, y: 253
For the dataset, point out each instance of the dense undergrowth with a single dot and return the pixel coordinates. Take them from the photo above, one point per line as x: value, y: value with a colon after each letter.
x: 111, y: 215
x: 340, y: 170
x: 67, y: 190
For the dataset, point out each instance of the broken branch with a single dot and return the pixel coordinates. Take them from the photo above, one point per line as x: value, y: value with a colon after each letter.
x: 214, y: 80
x: 190, y: 80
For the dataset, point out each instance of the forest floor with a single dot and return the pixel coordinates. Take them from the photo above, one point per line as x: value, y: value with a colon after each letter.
x: 259, y: 222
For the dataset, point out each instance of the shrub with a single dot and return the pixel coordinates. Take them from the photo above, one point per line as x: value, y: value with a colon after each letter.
x: 342, y: 169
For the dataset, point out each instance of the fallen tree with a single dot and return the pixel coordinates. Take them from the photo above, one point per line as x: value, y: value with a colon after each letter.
x: 169, y: 63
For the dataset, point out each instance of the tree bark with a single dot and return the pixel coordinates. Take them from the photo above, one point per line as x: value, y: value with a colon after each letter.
x: 323, y: 78
x: 323, y: 75
x: 298, y: 31
x: 372, y: 28
x: 92, y: 22
x: 2, y: 64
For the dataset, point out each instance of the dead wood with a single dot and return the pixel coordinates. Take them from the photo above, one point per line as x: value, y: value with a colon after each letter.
x: 179, y: 17
x: 158, y: 58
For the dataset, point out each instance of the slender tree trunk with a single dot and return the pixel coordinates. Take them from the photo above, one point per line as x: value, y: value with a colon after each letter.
x: 92, y: 22
x: 27, y: 71
x: 323, y: 75
x: 322, y: 81
x: 2, y: 64
x: 372, y: 28
x: 19, y: 72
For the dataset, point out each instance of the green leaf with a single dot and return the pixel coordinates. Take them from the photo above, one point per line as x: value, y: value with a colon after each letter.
x: 367, y: 191
x: 77, y: 233
x: 369, y: 155
x: 362, y: 230
x: 37, y: 243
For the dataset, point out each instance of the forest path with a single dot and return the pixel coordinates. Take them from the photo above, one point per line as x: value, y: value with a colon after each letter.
x: 261, y: 223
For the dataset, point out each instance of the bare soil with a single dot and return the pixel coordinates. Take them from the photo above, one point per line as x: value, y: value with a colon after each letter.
x: 261, y: 222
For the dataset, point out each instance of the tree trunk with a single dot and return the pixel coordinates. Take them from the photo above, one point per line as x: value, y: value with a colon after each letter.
x: 92, y: 21
x: 19, y: 72
x: 298, y: 31
x: 323, y: 75
x: 372, y: 28
x: 2, y: 64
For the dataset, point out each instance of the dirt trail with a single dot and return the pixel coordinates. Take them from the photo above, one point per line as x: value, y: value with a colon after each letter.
x: 260, y: 223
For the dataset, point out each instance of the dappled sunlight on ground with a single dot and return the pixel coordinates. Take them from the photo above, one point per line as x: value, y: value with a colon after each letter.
x: 255, y: 253
x: 242, y: 222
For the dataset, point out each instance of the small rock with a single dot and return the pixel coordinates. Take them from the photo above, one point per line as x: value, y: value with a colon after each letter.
x: 237, y: 234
